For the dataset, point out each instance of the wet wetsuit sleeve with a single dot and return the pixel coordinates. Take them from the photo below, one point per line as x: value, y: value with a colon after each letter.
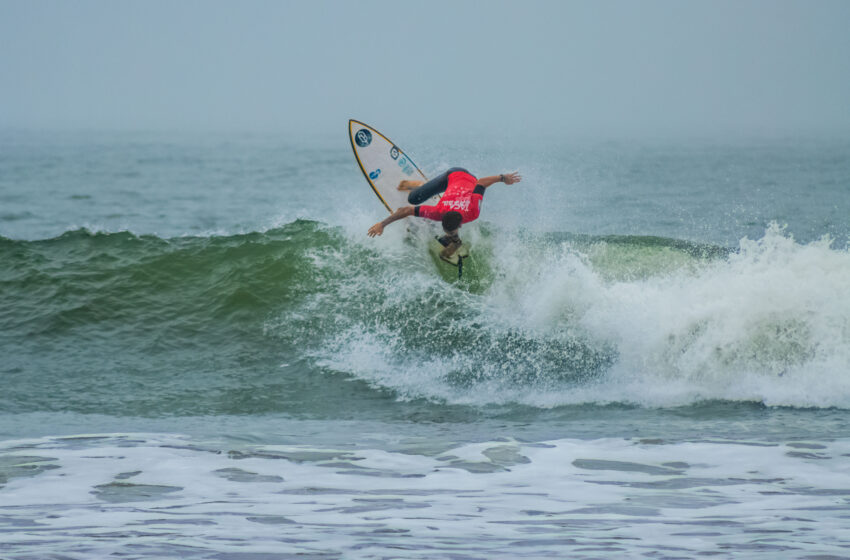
x: 479, y: 189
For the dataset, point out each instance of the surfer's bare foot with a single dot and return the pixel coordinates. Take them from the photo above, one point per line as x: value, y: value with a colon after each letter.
x: 408, y: 185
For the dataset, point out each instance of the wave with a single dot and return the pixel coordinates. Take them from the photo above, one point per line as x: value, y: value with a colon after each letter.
x: 542, y: 320
x: 83, y: 277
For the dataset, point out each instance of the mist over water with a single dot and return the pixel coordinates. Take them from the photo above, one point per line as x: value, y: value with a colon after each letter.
x: 563, y: 68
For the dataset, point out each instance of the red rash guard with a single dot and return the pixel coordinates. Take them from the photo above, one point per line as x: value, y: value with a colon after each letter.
x: 461, y: 196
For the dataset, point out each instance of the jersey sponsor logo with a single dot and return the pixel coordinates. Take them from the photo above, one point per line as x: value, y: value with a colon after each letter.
x: 457, y: 204
x: 363, y: 137
x: 375, y: 174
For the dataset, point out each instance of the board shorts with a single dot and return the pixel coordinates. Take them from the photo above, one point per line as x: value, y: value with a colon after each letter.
x: 463, y: 195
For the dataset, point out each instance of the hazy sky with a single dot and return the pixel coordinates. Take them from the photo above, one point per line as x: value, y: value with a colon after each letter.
x: 585, y: 67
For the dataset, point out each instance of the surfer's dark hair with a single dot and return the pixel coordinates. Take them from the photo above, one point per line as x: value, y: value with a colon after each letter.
x: 452, y: 220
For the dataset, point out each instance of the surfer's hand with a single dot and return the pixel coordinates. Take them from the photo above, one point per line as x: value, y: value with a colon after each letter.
x: 402, y: 212
x: 511, y: 178
x: 377, y: 229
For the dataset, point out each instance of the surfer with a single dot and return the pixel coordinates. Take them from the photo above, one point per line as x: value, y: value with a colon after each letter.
x: 460, y: 204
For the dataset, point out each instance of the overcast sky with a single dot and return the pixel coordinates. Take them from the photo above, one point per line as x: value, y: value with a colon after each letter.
x: 586, y: 67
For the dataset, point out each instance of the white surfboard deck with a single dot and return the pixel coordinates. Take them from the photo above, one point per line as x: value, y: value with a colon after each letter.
x: 384, y: 165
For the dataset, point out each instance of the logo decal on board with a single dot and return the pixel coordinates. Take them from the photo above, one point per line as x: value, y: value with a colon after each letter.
x: 403, y: 163
x: 375, y: 174
x: 363, y: 137
x: 394, y: 152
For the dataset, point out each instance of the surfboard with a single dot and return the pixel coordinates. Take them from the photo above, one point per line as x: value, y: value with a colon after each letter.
x: 383, y: 164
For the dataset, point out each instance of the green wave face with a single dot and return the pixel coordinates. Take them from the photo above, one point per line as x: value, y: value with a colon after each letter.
x: 142, y: 325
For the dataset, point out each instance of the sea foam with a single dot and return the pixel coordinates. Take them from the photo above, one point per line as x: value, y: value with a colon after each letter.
x: 576, y: 321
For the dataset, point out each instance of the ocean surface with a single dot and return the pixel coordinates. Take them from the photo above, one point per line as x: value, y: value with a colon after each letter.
x: 204, y: 356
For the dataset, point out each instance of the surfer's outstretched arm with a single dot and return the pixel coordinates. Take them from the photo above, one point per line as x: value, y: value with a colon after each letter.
x: 507, y: 178
x: 402, y: 212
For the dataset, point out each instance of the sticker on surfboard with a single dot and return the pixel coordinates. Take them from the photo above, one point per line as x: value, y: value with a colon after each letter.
x: 383, y: 164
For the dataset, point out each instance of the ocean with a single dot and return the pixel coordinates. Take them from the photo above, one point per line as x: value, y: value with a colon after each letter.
x: 204, y: 356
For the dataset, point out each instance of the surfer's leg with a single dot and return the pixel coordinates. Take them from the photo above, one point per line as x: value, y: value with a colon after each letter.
x: 435, y: 186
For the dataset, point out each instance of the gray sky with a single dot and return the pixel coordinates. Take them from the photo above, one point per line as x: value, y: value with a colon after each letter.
x: 601, y: 67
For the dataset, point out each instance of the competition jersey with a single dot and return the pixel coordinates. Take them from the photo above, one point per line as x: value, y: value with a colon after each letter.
x: 462, y: 195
